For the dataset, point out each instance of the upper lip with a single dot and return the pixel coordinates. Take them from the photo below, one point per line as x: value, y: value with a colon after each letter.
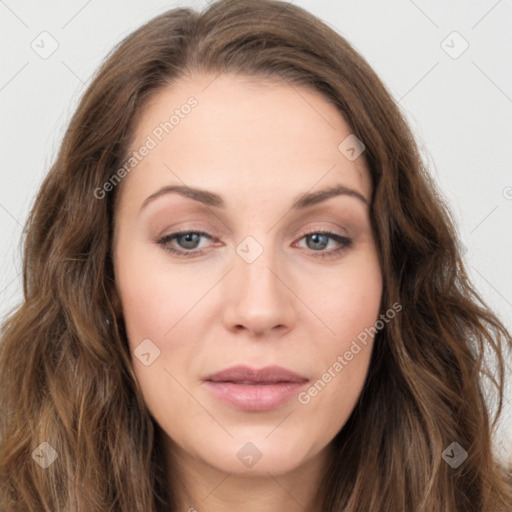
x: 269, y: 374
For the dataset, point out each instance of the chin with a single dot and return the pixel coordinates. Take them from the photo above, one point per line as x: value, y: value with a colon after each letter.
x: 257, y: 456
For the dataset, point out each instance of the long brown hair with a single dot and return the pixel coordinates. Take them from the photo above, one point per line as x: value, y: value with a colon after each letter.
x: 65, y: 372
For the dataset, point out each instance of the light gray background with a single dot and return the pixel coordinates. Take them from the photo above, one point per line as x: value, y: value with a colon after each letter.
x: 459, y: 106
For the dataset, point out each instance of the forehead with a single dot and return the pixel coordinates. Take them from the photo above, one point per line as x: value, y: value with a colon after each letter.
x: 243, y: 134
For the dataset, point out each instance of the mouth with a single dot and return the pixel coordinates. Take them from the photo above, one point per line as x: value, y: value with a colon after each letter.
x: 251, y: 382
x: 248, y: 389
x: 242, y: 374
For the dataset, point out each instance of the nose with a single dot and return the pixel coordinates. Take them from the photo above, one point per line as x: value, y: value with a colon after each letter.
x: 260, y: 297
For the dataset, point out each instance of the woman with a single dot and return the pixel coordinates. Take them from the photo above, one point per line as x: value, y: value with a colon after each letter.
x: 317, y: 347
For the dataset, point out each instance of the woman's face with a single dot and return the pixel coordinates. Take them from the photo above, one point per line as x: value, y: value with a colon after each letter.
x: 261, y: 285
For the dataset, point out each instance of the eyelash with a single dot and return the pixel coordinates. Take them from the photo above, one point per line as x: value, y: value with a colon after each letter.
x: 344, y: 241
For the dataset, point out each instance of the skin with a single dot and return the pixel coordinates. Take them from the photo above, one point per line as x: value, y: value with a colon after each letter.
x: 260, y: 145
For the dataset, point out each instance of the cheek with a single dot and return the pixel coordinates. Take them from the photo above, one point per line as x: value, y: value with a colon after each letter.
x: 157, y: 303
x: 150, y: 309
x: 349, y: 306
x: 348, y: 300
x: 152, y: 299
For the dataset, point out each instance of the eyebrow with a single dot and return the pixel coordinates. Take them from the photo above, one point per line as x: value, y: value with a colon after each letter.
x: 212, y: 199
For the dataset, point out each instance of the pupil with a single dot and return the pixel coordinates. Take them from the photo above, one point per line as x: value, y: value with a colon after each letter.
x: 316, y: 238
x: 190, y: 238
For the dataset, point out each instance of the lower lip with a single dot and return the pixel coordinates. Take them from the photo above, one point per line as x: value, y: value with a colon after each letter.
x: 254, y: 397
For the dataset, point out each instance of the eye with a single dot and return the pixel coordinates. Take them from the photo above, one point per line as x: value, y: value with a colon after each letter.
x: 188, y: 242
x: 320, y: 239
x: 186, y: 239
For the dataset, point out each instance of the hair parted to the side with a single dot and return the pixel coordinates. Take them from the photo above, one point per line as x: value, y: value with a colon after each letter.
x: 65, y: 373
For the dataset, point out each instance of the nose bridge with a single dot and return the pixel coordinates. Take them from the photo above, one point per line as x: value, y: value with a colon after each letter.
x: 259, y: 299
x: 256, y: 266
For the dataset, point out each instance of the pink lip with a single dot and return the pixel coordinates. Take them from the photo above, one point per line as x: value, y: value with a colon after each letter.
x: 267, y: 375
x: 255, y: 390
